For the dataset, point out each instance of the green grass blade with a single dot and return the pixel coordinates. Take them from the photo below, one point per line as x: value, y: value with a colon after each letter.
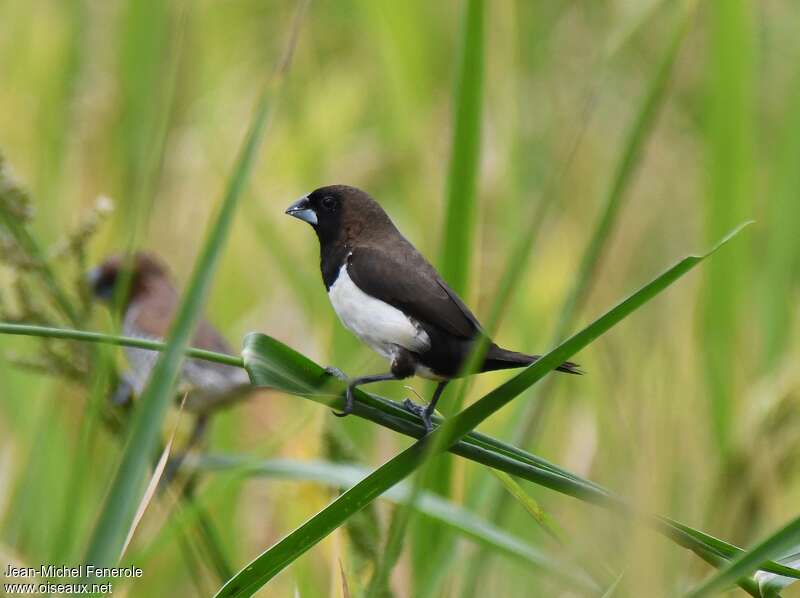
x: 380, y: 581
x: 150, y: 43
x: 482, y: 409
x: 779, y: 543
x: 771, y: 585
x: 279, y: 556
x: 272, y: 363
x: 458, y: 236
x: 730, y: 199
x: 443, y: 511
x: 56, y: 111
x: 112, y: 339
x: 116, y: 513
x: 533, y: 508
x: 633, y: 148
x: 81, y: 462
x: 211, y: 540
x: 780, y: 266
x: 462, y: 175
x: 531, y: 414
x: 477, y: 412
x: 640, y: 130
x: 282, y: 554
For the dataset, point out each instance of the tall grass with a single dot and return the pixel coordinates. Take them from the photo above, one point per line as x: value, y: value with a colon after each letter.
x: 730, y: 196
x: 532, y: 416
x: 614, y: 199
x: 535, y: 152
x: 458, y: 241
x: 116, y: 516
x: 782, y: 253
x: 464, y: 167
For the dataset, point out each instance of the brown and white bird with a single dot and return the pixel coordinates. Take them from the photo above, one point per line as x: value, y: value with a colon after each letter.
x: 392, y: 298
x: 148, y: 308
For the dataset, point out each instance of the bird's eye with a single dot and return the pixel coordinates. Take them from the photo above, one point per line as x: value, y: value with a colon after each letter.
x: 329, y: 202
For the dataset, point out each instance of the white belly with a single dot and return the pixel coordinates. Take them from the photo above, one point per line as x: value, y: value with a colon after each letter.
x: 378, y: 324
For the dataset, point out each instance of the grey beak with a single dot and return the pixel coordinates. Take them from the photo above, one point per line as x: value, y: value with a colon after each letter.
x: 302, y: 209
x: 93, y: 278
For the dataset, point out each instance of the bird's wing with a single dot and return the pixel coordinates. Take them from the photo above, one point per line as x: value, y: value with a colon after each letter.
x: 207, y: 337
x: 152, y: 316
x: 405, y: 280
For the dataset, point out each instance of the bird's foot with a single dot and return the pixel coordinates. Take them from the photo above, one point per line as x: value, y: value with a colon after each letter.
x: 421, y: 412
x: 348, y: 397
x: 348, y: 404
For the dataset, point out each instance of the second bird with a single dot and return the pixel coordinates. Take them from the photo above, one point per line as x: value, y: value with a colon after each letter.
x: 392, y: 298
x: 148, y: 309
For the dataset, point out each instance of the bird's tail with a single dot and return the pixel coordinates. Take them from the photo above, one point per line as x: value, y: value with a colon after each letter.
x: 498, y: 358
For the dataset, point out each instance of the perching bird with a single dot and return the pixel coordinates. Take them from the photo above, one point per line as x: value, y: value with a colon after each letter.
x: 148, y: 309
x: 392, y: 298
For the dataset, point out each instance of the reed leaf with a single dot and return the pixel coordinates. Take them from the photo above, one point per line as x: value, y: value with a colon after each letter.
x: 730, y: 198
x: 431, y: 505
x: 458, y: 236
x: 462, y: 178
x: 785, y: 539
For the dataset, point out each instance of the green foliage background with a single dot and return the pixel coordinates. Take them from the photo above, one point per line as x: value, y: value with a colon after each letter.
x: 689, y: 409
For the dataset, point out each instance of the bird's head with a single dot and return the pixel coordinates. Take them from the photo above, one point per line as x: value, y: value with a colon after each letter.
x: 340, y: 213
x: 139, y: 271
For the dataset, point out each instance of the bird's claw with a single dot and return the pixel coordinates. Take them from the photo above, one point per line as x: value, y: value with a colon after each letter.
x: 348, y: 404
x: 412, y: 407
x: 420, y: 411
x: 348, y: 401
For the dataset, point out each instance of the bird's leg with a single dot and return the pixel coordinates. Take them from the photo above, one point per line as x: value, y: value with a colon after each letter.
x: 174, y: 463
x: 353, y: 383
x: 425, y: 413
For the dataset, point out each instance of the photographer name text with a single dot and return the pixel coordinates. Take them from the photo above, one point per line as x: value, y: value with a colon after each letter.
x: 77, y: 571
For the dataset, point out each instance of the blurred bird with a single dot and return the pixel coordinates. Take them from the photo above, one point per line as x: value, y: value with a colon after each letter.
x: 148, y: 308
x: 392, y: 298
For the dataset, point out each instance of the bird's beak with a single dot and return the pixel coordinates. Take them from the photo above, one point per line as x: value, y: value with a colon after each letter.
x: 92, y: 277
x: 92, y: 280
x: 302, y: 209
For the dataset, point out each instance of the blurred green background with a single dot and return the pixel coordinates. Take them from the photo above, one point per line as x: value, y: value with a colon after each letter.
x: 690, y: 408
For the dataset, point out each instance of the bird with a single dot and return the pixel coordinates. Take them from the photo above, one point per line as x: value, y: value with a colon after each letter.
x: 143, y: 286
x: 386, y: 293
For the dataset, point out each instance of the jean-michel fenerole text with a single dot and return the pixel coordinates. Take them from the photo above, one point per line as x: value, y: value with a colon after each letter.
x: 78, y: 571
